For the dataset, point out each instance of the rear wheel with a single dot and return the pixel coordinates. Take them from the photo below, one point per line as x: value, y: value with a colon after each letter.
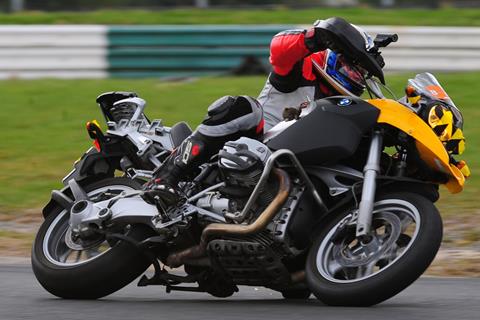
x: 406, y: 235
x: 92, y: 269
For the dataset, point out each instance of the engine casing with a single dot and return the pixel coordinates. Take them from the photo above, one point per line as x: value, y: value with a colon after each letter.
x: 241, y: 162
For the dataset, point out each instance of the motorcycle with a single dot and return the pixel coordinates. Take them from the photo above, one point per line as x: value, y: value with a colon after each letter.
x: 338, y: 202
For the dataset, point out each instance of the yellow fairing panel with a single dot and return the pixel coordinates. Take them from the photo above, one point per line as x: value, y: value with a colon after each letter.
x: 430, y: 148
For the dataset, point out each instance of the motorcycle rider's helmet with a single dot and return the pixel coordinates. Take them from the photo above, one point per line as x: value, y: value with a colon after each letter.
x: 343, y: 76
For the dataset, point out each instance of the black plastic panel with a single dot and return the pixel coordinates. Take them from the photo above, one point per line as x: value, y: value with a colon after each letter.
x: 329, y: 133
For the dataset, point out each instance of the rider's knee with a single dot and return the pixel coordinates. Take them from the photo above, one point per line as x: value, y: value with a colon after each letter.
x: 232, y: 115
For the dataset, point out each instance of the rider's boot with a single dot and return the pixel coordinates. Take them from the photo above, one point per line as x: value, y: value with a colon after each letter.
x: 228, y: 118
x: 193, y: 151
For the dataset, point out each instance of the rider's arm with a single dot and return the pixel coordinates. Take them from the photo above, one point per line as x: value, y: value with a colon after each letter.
x: 287, y: 51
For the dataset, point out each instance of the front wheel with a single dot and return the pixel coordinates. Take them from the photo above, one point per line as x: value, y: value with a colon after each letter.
x: 90, y: 270
x: 406, y: 235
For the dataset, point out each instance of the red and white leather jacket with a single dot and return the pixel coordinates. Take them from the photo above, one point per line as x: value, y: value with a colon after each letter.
x: 293, y: 79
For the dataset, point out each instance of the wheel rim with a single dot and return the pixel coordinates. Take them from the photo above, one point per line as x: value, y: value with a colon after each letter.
x: 58, y: 245
x: 342, y: 259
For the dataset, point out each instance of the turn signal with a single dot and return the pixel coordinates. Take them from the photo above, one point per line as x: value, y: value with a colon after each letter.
x: 95, y: 133
x: 94, y: 130
x: 412, y: 95
x: 96, y: 144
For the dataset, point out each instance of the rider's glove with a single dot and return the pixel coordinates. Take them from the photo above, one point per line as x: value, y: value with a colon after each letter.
x: 314, y: 41
x: 318, y: 39
x: 290, y: 114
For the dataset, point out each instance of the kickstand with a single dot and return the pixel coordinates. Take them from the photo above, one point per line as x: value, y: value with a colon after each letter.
x: 178, y: 288
x: 161, y: 276
x: 170, y: 281
x: 154, y: 280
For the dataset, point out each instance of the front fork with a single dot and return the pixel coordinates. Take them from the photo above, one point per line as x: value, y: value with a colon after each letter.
x: 370, y: 172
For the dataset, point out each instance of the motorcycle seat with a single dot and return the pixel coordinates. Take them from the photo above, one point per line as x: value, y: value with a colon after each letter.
x: 179, y: 132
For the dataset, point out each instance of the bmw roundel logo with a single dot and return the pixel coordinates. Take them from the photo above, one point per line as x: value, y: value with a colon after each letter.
x: 344, y: 102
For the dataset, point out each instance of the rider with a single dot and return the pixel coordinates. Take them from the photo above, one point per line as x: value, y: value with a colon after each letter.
x: 303, y: 68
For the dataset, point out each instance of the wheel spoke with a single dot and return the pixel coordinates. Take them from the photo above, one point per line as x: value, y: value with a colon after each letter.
x: 381, y: 238
x: 366, y: 270
x: 349, y: 273
x: 406, y: 221
x: 361, y: 272
x: 90, y: 253
x: 334, y: 267
x: 79, y: 254
x: 390, y: 254
x: 64, y: 256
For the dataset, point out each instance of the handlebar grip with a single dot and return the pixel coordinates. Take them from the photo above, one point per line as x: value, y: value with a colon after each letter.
x: 383, y: 40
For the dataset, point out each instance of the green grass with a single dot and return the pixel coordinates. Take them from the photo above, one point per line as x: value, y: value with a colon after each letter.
x: 280, y: 15
x: 43, y: 126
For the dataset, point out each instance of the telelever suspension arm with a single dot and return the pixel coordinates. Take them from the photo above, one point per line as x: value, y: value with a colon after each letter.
x: 370, y: 173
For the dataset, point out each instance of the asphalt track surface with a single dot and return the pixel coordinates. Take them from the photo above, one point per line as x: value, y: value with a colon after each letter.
x: 21, y: 297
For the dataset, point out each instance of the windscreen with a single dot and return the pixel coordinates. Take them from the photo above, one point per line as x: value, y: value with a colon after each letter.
x: 428, y: 86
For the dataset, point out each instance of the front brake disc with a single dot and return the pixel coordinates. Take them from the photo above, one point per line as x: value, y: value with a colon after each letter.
x: 347, y: 257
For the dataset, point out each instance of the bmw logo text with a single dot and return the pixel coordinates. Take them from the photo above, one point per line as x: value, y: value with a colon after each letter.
x: 344, y: 102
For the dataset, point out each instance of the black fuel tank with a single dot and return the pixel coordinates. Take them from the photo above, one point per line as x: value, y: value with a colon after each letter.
x: 331, y: 132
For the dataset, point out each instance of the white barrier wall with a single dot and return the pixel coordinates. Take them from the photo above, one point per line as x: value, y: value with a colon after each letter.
x: 432, y: 48
x: 74, y: 51
x: 53, y: 51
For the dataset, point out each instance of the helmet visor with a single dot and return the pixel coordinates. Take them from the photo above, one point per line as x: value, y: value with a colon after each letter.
x: 349, y: 77
x: 354, y: 75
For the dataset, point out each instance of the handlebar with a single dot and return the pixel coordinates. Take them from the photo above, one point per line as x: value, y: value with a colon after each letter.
x: 382, y: 40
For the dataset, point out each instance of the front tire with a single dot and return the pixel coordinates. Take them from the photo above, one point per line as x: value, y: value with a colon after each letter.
x: 103, y: 271
x: 342, y: 272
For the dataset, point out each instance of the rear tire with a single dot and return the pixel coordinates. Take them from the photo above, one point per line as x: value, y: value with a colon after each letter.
x: 100, y: 275
x: 297, y: 294
x: 337, y: 285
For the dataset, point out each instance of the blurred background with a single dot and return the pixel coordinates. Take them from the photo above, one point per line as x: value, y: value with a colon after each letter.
x: 57, y: 56
x: 82, y: 5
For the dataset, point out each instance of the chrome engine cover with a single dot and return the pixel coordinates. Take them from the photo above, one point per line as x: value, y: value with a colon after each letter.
x: 242, y: 154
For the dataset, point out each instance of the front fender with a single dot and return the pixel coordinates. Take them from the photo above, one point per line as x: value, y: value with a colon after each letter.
x: 430, y: 148
x: 393, y: 184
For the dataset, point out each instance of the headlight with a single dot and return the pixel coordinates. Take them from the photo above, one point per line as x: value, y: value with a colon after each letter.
x: 444, y: 123
x: 441, y: 121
